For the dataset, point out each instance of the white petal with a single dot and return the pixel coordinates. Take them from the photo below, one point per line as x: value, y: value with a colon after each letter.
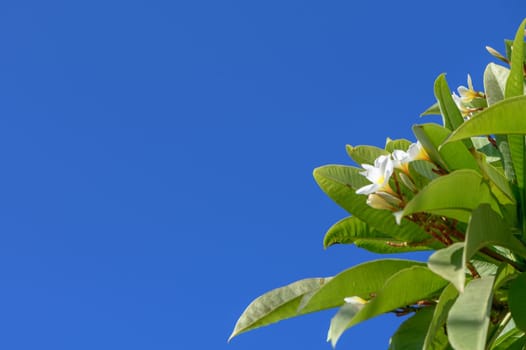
x: 368, y: 189
x: 463, y: 91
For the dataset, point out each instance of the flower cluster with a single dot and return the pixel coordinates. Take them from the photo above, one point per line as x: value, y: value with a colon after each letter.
x: 382, y: 193
x: 469, y: 100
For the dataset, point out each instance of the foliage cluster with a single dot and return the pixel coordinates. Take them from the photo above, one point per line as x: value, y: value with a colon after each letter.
x: 459, y: 191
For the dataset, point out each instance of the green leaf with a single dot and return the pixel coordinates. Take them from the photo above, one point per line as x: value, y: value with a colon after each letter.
x: 276, y: 305
x: 467, y: 324
x: 340, y: 321
x: 501, y: 188
x: 340, y: 183
x: 435, y: 332
x: 433, y: 110
x: 364, y: 154
x: 352, y: 230
x: 348, y: 230
x: 411, y: 334
x: 401, y: 290
x: 515, y: 83
x: 401, y: 144
x: 422, y: 172
x: 515, y: 87
x: 483, y: 145
x: 450, y: 113
x: 514, y: 339
x: 517, y: 301
x: 487, y: 228
x: 448, y: 263
x: 495, y: 77
x: 360, y: 280
x: 502, y: 118
x: 454, y: 195
x: 509, y: 43
x: 505, y: 117
x: 451, y: 157
x: 398, y: 291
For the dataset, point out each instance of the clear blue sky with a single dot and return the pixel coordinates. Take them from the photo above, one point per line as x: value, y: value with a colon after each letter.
x: 156, y: 156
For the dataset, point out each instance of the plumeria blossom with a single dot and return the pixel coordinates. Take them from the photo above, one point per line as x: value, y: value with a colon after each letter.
x: 401, y: 159
x: 417, y: 152
x: 467, y: 95
x: 465, y: 111
x: 378, y: 174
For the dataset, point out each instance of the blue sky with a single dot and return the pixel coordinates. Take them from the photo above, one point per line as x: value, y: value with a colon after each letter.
x: 157, y: 156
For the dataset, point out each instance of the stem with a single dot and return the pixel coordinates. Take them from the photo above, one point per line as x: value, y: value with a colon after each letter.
x: 472, y: 270
x: 501, y: 258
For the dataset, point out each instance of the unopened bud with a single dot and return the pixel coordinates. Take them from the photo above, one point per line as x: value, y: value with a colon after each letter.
x: 497, y: 54
x: 389, y: 198
x: 374, y: 200
x: 406, y: 180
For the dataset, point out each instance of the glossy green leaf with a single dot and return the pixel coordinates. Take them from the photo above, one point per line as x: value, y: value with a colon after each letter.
x: 435, y: 332
x: 495, y: 77
x: 411, y: 334
x: 360, y: 280
x: 452, y: 156
x: 340, y: 320
x: 509, y: 43
x: 348, y: 230
x: 276, y: 305
x: 401, y: 290
x: 517, y: 301
x: 433, y: 110
x: 487, y: 228
x: 515, y: 82
x: 398, y: 291
x: 454, y: 195
x: 468, y: 320
x: 422, y: 172
x: 448, y: 263
x: 364, y: 154
x: 514, y: 339
x: 451, y: 115
x: 401, y: 144
x: 515, y: 87
x: 340, y: 183
x: 352, y: 230
x: 482, y: 144
x: 505, y: 117
x: 502, y: 189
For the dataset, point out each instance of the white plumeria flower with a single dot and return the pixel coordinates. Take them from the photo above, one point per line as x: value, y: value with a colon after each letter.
x: 378, y: 174
x: 401, y: 159
x: 417, y: 152
x: 463, y: 109
x: 467, y: 94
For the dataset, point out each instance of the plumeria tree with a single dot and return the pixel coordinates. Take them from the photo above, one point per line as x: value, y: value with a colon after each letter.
x: 459, y: 190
